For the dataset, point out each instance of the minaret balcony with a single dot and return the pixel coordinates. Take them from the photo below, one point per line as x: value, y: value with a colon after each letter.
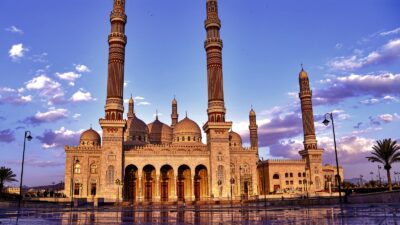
x: 212, y: 22
x: 213, y: 42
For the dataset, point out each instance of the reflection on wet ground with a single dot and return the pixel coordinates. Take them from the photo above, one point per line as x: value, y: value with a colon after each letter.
x: 216, y: 214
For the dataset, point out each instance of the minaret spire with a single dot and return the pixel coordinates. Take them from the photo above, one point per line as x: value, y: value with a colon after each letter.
x: 116, y: 59
x: 213, y: 47
x: 131, y: 110
x: 253, y: 129
x: 310, y: 141
x: 174, y: 114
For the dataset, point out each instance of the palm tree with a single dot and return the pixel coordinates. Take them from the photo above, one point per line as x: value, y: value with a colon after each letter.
x: 6, y: 175
x: 386, y: 152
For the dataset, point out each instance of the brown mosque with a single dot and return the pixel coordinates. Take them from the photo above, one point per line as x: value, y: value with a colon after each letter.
x: 138, y: 162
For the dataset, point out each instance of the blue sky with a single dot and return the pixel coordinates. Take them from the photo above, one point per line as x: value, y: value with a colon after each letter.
x: 53, y: 67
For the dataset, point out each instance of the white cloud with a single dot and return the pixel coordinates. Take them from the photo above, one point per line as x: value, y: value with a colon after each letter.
x: 51, y: 115
x: 82, y: 68
x: 390, y: 32
x: 139, y: 98
x: 387, y: 53
x: 387, y: 118
x: 59, y: 138
x: 17, y: 51
x: 69, y: 76
x: 338, y: 45
x: 14, y: 29
x: 13, y: 96
x: 144, y: 103
x: 42, y: 82
x: 76, y: 116
x: 82, y: 96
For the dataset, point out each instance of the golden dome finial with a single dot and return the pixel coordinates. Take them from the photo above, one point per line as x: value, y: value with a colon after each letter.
x: 303, y: 74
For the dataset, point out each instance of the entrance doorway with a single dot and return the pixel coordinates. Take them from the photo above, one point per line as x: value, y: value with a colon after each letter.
x: 130, y: 183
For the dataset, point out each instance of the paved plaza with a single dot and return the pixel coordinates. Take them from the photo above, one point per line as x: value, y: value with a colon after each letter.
x: 216, y: 214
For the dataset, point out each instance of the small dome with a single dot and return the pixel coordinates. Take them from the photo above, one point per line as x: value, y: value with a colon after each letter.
x: 159, y: 132
x: 137, y: 130
x: 303, y: 74
x: 187, y: 131
x: 131, y: 100
x: 90, y: 138
x: 234, y: 139
x: 174, y: 102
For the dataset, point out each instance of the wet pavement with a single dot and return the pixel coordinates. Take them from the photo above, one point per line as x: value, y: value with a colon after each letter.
x: 216, y: 214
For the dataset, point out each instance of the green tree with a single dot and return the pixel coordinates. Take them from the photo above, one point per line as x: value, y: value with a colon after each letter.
x: 386, y: 152
x: 6, y: 175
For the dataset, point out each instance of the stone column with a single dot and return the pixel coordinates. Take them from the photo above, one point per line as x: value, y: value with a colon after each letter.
x: 157, y: 197
x: 193, y: 195
x: 175, y: 189
x: 140, y: 197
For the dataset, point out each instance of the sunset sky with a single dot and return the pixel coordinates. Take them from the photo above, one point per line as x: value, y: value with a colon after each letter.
x: 53, y: 68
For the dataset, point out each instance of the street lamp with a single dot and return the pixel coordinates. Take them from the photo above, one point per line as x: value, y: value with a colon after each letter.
x: 232, y: 181
x: 28, y: 137
x: 326, y: 123
x: 379, y: 174
x: 265, y: 190
x: 74, y: 162
x: 118, y: 183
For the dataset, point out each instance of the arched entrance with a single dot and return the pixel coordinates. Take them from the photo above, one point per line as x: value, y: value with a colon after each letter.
x: 149, y: 182
x: 200, y: 182
x: 166, y: 182
x: 131, y: 183
x: 184, y: 183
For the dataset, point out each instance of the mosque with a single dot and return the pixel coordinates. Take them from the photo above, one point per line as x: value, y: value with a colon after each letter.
x: 138, y: 162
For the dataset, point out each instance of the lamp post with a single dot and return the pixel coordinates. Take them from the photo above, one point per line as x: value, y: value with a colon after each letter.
x: 265, y: 191
x: 232, y: 181
x: 118, y: 183
x: 28, y: 137
x: 326, y: 122
x: 379, y: 175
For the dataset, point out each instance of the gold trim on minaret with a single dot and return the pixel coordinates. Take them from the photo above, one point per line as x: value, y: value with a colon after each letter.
x: 116, y: 59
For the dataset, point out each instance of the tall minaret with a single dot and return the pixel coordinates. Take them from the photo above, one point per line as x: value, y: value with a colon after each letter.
x: 253, y: 129
x: 310, y: 142
x: 311, y: 153
x: 174, y: 114
x: 216, y: 128
x: 116, y: 58
x: 114, y: 125
x: 213, y: 46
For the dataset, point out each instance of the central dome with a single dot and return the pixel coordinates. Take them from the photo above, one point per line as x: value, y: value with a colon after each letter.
x: 187, y: 131
x: 159, y: 132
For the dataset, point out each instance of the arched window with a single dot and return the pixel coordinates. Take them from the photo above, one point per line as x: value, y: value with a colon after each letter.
x: 110, y: 175
x: 286, y: 175
x: 291, y: 174
x: 276, y: 176
x: 93, y: 168
x: 77, y: 168
x: 299, y: 175
x: 183, y: 138
x: 188, y: 138
x: 304, y: 174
